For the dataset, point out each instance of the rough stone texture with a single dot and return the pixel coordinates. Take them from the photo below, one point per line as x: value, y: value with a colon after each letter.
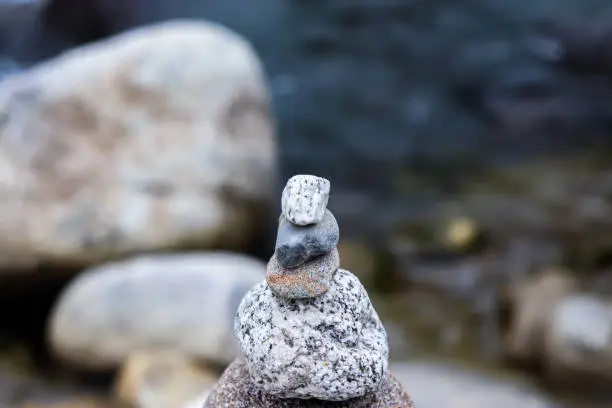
x: 157, y: 138
x: 332, y: 347
x: 181, y: 301
x: 305, y: 198
x: 297, y: 244
x: 307, y: 280
x: 235, y: 389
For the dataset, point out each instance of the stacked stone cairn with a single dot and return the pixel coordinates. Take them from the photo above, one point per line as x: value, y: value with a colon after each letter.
x: 309, y: 333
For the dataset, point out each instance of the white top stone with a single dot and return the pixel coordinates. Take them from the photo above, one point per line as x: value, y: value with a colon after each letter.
x: 333, y: 347
x: 305, y: 199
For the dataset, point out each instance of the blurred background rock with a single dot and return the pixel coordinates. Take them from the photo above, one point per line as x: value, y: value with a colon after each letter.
x: 468, y: 145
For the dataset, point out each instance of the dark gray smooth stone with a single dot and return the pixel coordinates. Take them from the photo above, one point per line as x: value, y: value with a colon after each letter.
x: 296, y: 245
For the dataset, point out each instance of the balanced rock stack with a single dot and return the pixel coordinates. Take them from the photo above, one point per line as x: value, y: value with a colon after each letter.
x: 309, y: 333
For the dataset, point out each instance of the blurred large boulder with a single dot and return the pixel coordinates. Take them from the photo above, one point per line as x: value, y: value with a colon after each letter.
x: 158, y: 138
x: 183, y: 302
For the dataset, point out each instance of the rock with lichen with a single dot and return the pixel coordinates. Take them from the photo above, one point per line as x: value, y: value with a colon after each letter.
x: 310, y: 338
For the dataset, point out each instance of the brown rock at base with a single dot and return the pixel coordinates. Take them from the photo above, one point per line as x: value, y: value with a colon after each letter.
x: 235, y: 389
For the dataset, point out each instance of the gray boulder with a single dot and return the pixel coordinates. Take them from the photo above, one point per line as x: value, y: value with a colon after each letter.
x: 184, y: 302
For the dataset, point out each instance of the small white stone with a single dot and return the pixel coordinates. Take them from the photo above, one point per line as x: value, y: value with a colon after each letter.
x: 305, y: 199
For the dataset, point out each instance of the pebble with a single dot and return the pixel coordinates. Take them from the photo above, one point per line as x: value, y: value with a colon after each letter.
x: 235, y: 389
x: 305, y: 198
x: 296, y: 245
x: 332, y: 347
x: 308, y: 280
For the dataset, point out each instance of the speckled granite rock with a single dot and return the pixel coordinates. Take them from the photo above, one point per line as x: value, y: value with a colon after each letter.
x: 296, y: 244
x: 309, y: 333
x: 332, y: 347
x: 235, y: 389
x: 305, y: 198
x: 308, y: 280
